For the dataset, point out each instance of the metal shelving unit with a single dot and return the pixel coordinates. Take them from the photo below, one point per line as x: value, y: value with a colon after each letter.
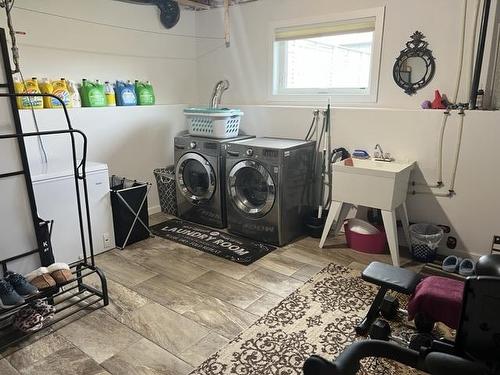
x: 76, y: 295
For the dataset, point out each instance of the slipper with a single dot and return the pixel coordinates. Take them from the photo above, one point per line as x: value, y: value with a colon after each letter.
x: 28, y: 320
x: 45, y: 309
x: 451, y: 263
x: 61, y: 273
x: 41, y: 278
x: 467, y: 267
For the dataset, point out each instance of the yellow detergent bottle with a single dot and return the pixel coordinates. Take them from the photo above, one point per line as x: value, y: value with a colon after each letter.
x: 60, y: 89
x: 29, y: 86
x: 46, y: 88
x: 110, y: 94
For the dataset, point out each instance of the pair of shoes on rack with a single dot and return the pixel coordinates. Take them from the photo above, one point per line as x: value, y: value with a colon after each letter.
x: 14, y: 288
x: 32, y: 317
x: 49, y: 277
x: 464, y: 267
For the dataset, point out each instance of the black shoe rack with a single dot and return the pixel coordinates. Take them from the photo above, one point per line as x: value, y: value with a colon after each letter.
x: 80, y: 294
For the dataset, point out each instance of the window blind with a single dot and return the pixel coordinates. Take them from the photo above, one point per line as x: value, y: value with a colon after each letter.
x: 325, y: 29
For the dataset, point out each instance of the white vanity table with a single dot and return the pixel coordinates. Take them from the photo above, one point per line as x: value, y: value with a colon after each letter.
x: 370, y: 183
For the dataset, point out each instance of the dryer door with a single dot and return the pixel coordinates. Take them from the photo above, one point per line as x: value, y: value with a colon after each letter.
x: 251, y: 188
x: 195, y: 177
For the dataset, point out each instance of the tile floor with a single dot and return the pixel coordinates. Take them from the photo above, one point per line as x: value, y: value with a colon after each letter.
x: 172, y: 307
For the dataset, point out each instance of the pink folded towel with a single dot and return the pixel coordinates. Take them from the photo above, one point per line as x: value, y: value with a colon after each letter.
x: 439, y: 298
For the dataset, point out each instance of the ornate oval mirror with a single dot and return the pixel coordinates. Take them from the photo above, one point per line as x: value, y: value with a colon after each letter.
x: 414, y: 68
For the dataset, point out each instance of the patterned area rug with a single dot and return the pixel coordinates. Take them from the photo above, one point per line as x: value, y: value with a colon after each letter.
x: 318, y: 318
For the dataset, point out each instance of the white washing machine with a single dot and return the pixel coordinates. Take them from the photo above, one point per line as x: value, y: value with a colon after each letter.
x: 268, y: 188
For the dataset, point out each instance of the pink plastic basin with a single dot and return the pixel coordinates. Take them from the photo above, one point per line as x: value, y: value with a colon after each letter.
x: 367, y: 243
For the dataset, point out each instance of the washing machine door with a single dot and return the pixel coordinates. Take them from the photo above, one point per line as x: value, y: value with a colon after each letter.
x: 195, y: 177
x: 251, y: 188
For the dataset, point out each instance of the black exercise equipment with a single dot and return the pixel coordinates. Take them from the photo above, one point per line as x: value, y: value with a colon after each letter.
x: 387, y: 277
x: 476, y: 350
x: 390, y: 307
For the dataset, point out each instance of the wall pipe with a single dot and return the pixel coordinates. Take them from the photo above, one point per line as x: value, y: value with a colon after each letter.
x: 479, y: 55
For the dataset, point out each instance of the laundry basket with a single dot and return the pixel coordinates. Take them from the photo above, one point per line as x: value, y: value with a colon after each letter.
x: 425, y: 239
x: 213, y: 123
x: 165, y: 180
x: 129, y: 203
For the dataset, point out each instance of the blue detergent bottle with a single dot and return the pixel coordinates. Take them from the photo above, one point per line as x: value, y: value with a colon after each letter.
x: 125, y: 93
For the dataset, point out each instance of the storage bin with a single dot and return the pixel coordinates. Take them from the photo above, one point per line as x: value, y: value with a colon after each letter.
x: 425, y: 239
x: 373, y: 243
x: 129, y: 202
x: 213, y: 123
x: 165, y: 181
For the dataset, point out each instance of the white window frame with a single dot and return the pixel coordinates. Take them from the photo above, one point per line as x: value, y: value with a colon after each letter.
x: 341, y: 96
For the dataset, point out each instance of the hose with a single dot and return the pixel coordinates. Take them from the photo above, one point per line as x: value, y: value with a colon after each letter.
x: 454, y: 98
x: 457, y: 152
x: 446, y: 114
x: 461, y: 54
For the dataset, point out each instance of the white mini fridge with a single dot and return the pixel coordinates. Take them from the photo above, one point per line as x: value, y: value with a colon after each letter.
x: 55, y: 194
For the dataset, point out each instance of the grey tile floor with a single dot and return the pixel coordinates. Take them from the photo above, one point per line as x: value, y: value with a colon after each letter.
x: 172, y: 307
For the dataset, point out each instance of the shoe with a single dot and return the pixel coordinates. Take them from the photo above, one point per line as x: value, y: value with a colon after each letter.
x: 28, y: 320
x: 8, y: 296
x: 61, y: 273
x: 20, y: 284
x: 451, y: 263
x: 42, y: 307
x: 41, y: 279
x: 467, y: 267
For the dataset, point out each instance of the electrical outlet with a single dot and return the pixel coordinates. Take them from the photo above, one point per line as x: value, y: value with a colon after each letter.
x: 106, y: 240
x: 496, y: 243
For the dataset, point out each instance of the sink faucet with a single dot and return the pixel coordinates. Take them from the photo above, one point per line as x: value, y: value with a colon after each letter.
x: 380, y: 155
x: 219, y: 89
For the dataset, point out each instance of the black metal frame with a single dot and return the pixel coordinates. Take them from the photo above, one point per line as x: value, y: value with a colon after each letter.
x: 415, y: 47
x: 60, y: 296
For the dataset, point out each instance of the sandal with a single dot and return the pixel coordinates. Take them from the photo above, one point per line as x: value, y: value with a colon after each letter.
x: 451, y: 263
x: 467, y: 267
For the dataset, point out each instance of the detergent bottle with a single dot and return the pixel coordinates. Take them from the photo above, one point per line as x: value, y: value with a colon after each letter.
x: 110, y: 94
x: 60, y: 89
x: 125, y: 93
x: 145, y: 93
x: 76, y: 101
x: 93, y: 94
x: 29, y: 86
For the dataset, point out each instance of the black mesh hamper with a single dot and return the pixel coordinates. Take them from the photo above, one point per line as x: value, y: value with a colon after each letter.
x: 129, y: 203
x: 165, y: 180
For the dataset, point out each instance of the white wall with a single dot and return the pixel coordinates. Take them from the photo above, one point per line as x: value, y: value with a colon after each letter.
x: 395, y: 120
x: 67, y: 47
x: 412, y: 135
x: 247, y: 63
x: 59, y: 43
x: 131, y: 140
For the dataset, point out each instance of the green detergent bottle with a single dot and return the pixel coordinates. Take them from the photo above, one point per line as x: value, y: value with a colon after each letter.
x: 145, y: 93
x: 93, y: 94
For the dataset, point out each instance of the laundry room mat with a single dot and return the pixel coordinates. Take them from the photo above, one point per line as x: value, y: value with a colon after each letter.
x: 237, y: 249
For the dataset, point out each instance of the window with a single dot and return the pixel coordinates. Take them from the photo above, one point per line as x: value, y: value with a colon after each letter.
x: 338, y: 58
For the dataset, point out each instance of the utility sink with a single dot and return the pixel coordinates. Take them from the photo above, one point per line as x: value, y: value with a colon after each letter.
x: 371, y: 183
